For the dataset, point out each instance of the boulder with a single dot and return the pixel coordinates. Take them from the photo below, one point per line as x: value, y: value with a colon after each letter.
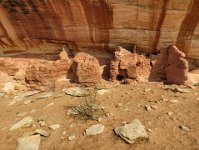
x: 86, y: 69
x: 132, y: 132
x: 177, y: 66
x: 29, y: 142
x: 129, y: 65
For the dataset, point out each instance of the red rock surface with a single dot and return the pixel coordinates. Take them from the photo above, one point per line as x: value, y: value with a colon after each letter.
x: 86, y: 69
x: 177, y: 66
x: 129, y: 65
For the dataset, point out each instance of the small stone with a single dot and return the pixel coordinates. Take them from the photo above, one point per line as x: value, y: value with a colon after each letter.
x: 99, y: 119
x: 102, y: 92
x: 29, y: 142
x: 132, y: 132
x: 76, y: 91
x: 64, y: 133
x: 27, y: 102
x: 119, y: 105
x: 170, y: 113
x: 62, y: 138
x: 95, y: 129
x: 71, y: 137
x: 54, y: 127
x: 173, y: 101
x: 26, y: 122
x: 154, y: 107
x: 42, y: 132
x: 149, y: 130
x: 46, y: 95
x: 42, y: 123
x: 148, y: 108
x: 51, y: 104
x: 197, y: 99
x: 185, y: 128
x: 72, y: 111
x: 124, y: 122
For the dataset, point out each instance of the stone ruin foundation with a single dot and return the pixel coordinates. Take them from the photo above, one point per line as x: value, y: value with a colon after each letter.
x: 23, y: 74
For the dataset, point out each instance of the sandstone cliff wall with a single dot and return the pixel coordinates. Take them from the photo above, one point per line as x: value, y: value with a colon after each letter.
x: 44, y: 25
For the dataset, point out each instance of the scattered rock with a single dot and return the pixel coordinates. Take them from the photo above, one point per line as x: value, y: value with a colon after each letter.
x: 170, y: 113
x: 148, y: 108
x: 119, y: 105
x: 42, y: 123
x: 102, y: 92
x: 197, y: 99
x: 173, y: 101
x: 26, y: 122
x: 28, y: 102
x: 46, y: 95
x: 95, y: 129
x: 42, y: 132
x: 132, y: 132
x: 71, y: 137
x: 54, y: 126
x: 185, y: 128
x: 76, y: 91
x: 72, y: 111
x: 29, y: 142
x: 51, y: 104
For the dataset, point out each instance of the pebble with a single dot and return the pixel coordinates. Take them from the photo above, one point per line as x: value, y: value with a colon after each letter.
x: 119, y: 105
x: 51, y: 104
x: 173, y: 101
x: 148, y: 108
x: 64, y: 133
x: 102, y: 92
x: 95, y: 129
x: 42, y: 123
x: 71, y: 137
x: 46, y: 95
x: 170, y: 113
x: 185, y: 128
x: 54, y: 126
x: 28, y: 102
x: 197, y: 99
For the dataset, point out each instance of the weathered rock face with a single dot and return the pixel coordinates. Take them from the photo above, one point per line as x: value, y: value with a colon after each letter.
x: 86, y: 69
x: 172, y: 67
x: 177, y: 66
x: 150, y: 24
x: 129, y: 65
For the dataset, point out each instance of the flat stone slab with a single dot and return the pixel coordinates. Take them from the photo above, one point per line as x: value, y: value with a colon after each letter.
x: 26, y: 122
x: 95, y: 129
x: 54, y: 126
x: 42, y: 132
x: 132, y: 132
x: 29, y: 142
x: 76, y: 91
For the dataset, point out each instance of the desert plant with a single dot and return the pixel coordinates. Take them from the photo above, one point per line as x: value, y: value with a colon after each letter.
x: 89, y: 109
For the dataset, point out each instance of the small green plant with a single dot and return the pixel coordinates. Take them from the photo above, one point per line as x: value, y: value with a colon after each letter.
x: 89, y: 109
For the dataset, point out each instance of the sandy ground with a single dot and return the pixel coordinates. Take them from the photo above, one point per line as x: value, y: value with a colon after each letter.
x: 164, y: 134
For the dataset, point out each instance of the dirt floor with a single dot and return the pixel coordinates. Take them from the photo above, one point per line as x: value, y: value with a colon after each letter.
x: 123, y: 103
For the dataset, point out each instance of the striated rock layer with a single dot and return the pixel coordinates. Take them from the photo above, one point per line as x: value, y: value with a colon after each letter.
x: 41, y: 26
